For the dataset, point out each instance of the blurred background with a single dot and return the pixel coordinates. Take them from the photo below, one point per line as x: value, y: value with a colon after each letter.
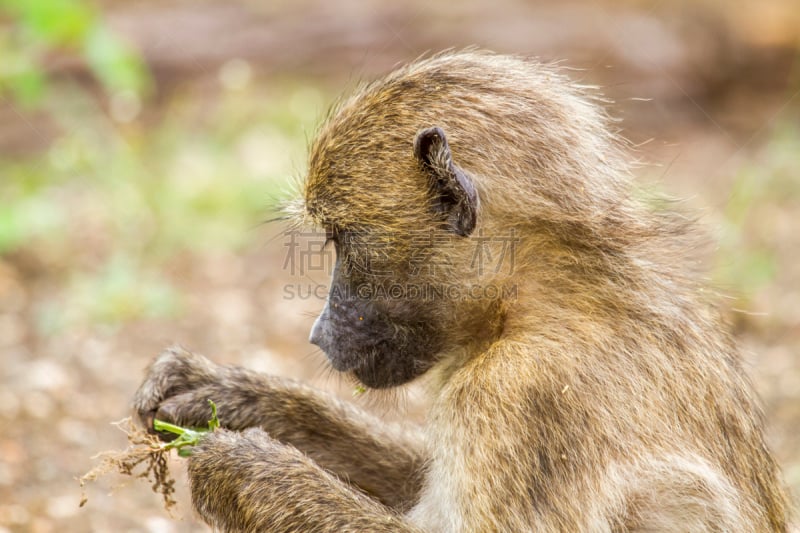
x: 144, y: 143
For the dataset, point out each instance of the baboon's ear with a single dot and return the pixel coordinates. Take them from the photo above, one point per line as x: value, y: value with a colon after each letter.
x: 454, y: 192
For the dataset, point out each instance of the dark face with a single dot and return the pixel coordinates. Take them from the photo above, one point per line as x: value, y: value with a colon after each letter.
x: 374, y: 329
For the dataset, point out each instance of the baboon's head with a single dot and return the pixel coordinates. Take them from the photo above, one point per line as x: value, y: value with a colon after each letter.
x: 426, y: 183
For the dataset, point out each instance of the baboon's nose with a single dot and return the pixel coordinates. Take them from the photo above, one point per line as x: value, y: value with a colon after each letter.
x: 317, y: 335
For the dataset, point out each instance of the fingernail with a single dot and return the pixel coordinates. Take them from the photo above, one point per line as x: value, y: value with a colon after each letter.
x: 166, y: 412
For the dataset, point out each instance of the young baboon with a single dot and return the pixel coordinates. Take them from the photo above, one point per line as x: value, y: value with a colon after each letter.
x: 584, y: 384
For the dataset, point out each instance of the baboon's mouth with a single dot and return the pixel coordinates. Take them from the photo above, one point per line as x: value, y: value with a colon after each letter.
x: 349, y: 360
x: 363, y: 370
x: 368, y: 367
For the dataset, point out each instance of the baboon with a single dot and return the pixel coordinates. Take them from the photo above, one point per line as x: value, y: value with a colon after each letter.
x: 587, y: 385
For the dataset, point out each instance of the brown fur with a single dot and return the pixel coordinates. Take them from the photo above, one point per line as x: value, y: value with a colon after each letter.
x: 604, y: 396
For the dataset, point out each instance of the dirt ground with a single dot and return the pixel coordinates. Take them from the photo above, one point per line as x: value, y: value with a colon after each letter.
x: 708, y: 96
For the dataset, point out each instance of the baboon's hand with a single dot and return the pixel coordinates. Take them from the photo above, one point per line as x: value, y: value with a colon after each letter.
x: 232, y: 474
x: 176, y: 388
x: 248, y: 481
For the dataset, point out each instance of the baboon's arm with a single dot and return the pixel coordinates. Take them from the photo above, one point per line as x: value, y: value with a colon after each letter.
x: 384, y: 461
x: 250, y: 482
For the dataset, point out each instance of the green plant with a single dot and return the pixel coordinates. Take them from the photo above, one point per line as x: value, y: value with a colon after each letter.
x: 40, y: 28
